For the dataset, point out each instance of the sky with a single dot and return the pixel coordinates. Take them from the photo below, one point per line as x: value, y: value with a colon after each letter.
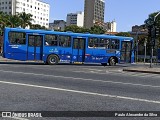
x: 126, y: 13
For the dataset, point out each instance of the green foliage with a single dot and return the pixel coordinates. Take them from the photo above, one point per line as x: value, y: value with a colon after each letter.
x: 37, y: 26
x: 25, y: 19
x: 76, y: 29
x: 94, y: 29
x: 150, y: 22
x: 20, y: 20
x: 97, y: 30
x: 126, y: 34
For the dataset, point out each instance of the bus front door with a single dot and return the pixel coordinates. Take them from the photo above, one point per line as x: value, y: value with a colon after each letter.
x: 126, y: 51
x: 78, y: 50
x: 35, y: 47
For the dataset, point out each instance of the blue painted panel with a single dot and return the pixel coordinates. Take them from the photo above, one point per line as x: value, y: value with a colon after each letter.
x: 16, y: 52
x: 98, y: 55
x: 64, y: 53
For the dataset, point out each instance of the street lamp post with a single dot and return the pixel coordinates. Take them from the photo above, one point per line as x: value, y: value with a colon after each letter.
x: 154, y: 38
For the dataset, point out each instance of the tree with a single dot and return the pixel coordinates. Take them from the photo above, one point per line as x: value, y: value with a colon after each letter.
x: 149, y: 22
x: 25, y: 19
x: 97, y: 30
x: 75, y: 28
x: 3, y: 19
x: 13, y: 21
x: 126, y: 34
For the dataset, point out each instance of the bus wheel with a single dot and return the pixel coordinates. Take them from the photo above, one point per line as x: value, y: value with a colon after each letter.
x: 52, y: 59
x: 112, y: 61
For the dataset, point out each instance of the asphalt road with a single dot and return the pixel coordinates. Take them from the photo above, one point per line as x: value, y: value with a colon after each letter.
x: 38, y: 87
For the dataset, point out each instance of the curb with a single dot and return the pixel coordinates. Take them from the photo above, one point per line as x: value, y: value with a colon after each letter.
x: 141, y: 71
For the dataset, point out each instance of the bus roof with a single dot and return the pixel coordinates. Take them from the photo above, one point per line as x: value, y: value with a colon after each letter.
x: 68, y: 33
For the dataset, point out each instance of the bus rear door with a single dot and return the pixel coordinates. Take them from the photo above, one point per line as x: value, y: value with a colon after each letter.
x: 78, y: 50
x: 35, y: 47
x: 126, y: 51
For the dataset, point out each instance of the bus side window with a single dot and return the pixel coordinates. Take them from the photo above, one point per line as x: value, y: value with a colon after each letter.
x: 64, y: 41
x: 17, y: 38
x: 92, y: 42
x: 51, y: 40
x: 114, y: 44
x: 17, y: 41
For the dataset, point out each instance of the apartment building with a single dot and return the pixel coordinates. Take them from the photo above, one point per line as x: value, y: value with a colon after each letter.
x: 75, y: 19
x: 38, y: 9
x: 110, y: 26
x: 57, y: 25
x: 93, y: 12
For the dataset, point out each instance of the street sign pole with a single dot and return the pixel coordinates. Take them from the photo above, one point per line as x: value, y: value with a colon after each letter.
x: 144, y: 51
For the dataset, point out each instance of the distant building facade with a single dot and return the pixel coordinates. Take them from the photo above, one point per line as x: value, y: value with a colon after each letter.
x: 75, y: 19
x: 110, y: 26
x: 38, y: 9
x: 57, y: 25
x: 93, y: 12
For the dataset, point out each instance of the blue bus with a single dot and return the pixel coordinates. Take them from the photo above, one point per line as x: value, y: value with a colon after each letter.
x: 54, y: 47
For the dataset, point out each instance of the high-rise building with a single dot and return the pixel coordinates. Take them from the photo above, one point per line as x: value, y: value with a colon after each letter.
x: 75, y: 19
x: 38, y: 9
x: 93, y: 12
x: 110, y: 26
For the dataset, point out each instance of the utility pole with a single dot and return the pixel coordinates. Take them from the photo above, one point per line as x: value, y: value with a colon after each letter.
x: 145, y: 50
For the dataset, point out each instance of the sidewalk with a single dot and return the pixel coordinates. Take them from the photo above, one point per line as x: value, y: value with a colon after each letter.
x: 144, y: 68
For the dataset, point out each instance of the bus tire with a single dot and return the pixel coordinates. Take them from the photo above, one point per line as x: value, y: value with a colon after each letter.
x: 112, y: 61
x: 52, y: 60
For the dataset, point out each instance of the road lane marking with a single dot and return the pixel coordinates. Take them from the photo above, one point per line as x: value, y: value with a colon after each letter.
x: 82, y: 92
x: 120, y: 72
x: 83, y: 79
